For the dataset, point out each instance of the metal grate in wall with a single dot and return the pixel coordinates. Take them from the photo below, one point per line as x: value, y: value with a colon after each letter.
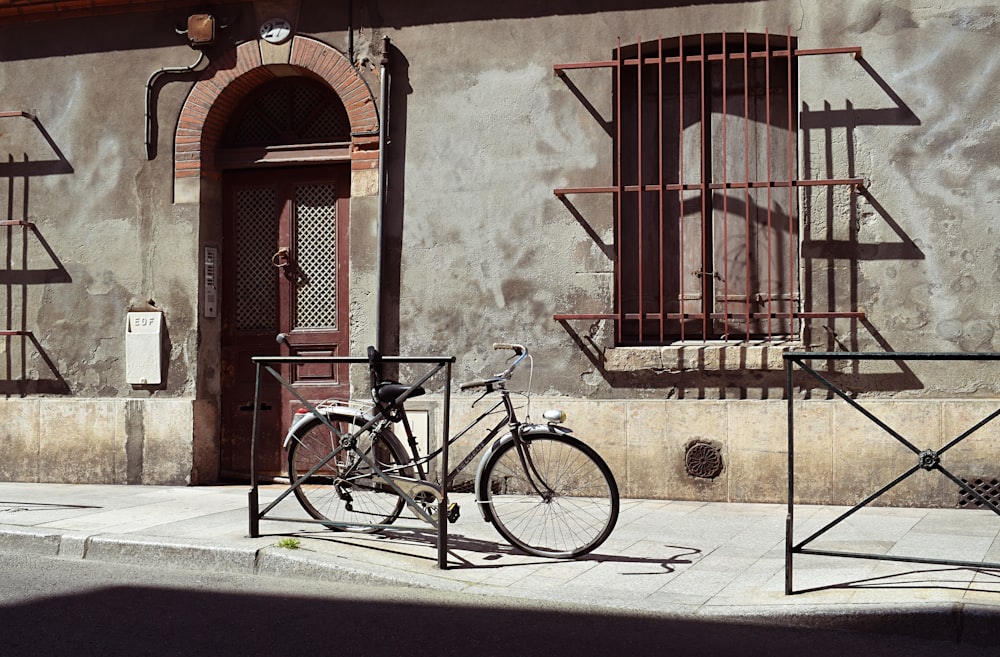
x: 703, y: 460
x: 988, y: 488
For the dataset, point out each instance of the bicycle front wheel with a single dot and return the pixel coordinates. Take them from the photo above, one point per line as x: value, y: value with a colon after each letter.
x: 345, y: 489
x: 559, y: 500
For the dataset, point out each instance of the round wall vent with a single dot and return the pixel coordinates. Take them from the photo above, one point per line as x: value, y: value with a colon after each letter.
x: 703, y: 460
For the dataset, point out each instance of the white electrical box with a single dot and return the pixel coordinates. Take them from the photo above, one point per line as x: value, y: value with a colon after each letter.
x: 143, y: 348
x: 421, y: 428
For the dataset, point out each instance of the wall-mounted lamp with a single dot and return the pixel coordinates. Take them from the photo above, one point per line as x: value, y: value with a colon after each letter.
x: 200, y: 30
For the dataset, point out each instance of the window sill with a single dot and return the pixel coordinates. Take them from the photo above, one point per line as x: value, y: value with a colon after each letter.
x: 700, y: 357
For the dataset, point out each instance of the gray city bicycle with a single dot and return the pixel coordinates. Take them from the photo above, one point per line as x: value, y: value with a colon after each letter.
x: 545, y: 491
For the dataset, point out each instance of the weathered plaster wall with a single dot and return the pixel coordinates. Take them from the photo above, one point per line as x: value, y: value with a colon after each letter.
x: 926, y: 262
x: 107, y: 237
x: 489, y: 254
x: 479, y: 249
x: 490, y: 131
x: 111, y: 441
x: 106, y: 234
x: 510, y: 244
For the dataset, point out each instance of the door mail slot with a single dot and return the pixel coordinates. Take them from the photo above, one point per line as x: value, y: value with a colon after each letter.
x: 248, y: 408
x: 144, y: 348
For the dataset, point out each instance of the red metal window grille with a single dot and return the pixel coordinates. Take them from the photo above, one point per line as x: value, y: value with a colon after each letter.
x: 705, y: 186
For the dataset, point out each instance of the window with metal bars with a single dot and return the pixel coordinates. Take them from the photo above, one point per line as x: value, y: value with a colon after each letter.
x: 706, y: 226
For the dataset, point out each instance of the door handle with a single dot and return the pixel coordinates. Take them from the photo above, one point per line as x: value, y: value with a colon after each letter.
x: 284, y: 253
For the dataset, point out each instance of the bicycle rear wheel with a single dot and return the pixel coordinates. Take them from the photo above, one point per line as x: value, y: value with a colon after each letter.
x: 345, y: 489
x: 564, y: 504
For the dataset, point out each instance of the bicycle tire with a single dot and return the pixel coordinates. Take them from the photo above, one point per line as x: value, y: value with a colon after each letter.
x: 344, y: 490
x: 576, y: 517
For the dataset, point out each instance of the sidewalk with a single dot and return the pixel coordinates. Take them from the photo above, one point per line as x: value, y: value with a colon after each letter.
x: 683, y: 559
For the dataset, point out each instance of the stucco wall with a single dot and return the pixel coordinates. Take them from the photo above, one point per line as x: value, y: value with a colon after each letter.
x: 911, y: 117
x: 478, y: 249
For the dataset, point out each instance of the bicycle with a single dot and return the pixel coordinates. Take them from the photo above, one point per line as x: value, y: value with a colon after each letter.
x: 545, y: 491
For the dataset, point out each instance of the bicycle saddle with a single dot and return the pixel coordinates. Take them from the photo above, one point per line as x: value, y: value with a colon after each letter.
x: 384, y: 391
x: 388, y: 391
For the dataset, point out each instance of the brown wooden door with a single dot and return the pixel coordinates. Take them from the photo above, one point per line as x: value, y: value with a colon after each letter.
x: 284, y: 264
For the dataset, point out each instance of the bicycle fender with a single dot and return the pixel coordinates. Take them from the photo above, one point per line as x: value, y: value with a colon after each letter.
x: 526, y: 430
x: 303, y: 418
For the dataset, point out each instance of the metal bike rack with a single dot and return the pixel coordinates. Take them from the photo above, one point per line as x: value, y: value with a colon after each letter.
x: 926, y: 459
x: 270, y: 363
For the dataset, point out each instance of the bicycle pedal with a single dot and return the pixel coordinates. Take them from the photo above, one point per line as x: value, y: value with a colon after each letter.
x: 453, y: 512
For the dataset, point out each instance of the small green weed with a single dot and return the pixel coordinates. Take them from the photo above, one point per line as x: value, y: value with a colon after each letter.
x: 290, y: 543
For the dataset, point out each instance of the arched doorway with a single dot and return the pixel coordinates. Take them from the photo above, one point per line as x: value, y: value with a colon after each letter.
x: 260, y: 116
x: 284, y: 266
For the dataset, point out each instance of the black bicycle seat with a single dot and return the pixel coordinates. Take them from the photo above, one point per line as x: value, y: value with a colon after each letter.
x: 388, y: 391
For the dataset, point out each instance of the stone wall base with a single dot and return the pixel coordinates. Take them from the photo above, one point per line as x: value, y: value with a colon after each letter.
x: 666, y: 449
x: 108, y: 441
x: 720, y: 451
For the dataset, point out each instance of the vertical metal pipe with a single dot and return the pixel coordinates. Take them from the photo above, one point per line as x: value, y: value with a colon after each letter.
x: 767, y: 138
x: 681, y: 285
x: 253, y: 505
x: 748, y: 274
x: 706, y: 118
x: 789, y: 517
x: 9, y: 254
x: 26, y: 227
x: 639, y: 181
x: 621, y: 192
x: 792, y: 136
x: 725, y: 188
x: 661, y: 303
x: 383, y: 126
x: 442, y: 514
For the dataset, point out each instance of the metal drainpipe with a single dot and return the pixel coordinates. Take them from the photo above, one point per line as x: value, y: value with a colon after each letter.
x: 149, y: 98
x: 382, y: 128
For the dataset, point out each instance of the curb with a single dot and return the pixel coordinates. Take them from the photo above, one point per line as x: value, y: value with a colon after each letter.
x: 956, y: 622
x: 266, y: 560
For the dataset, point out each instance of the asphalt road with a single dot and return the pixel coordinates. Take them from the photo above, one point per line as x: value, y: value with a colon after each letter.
x: 82, y: 608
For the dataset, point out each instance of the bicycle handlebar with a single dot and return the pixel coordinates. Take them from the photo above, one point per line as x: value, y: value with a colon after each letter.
x: 519, y: 349
x: 478, y: 383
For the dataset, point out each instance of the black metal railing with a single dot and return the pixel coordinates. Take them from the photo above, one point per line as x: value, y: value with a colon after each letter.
x: 269, y: 364
x: 924, y: 459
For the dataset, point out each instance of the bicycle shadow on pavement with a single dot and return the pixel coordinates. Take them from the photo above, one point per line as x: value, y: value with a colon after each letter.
x: 17, y: 507
x: 477, y: 553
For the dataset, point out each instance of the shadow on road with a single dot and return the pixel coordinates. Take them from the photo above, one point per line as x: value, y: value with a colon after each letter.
x: 126, y: 620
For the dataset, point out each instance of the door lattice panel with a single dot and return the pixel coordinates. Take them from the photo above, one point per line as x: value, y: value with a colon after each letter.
x: 316, y: 256
x: 322, y: 120
x: 256, y: 277
x: 292, y: 111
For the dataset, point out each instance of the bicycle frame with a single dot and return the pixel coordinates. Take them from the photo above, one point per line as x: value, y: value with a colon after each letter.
x: 515, y: 432
x: 517, y: 464
x: 417, y: 461
x: 413, y: 487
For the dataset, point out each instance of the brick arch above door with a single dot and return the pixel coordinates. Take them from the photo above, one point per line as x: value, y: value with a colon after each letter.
x: 231, y: 76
